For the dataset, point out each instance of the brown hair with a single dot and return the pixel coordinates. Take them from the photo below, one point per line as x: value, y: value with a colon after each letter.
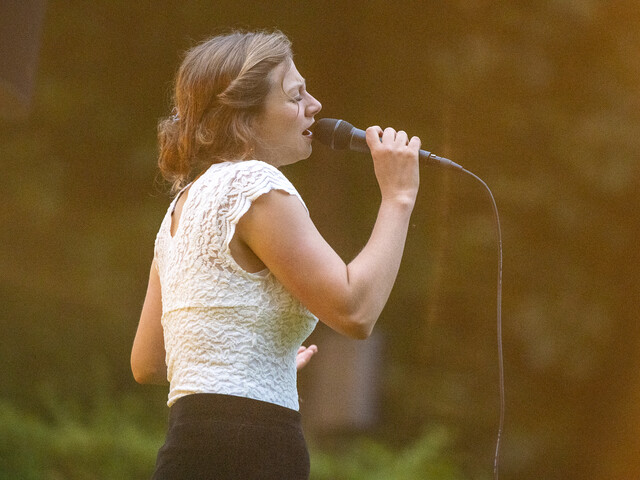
x: 220, y: 88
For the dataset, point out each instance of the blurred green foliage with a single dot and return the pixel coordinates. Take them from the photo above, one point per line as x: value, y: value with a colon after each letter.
x: 366, y: 458
x: 59, y: 443
x: 540, y: 99
x: 113, y: 444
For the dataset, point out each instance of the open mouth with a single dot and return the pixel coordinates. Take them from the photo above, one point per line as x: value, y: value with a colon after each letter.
x: 307, y: 133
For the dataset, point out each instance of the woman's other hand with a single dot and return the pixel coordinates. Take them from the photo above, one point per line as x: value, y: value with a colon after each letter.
x: 304, y: 355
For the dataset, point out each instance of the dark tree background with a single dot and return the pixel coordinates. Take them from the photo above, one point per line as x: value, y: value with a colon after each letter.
x: 540, y: 99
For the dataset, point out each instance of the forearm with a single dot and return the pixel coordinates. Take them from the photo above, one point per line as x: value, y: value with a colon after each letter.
x: 147, y: 357
x: 348, y: 298
x: 373, y: 272
x: 148, y: 353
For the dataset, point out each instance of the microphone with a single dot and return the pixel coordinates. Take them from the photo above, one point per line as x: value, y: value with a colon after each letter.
x: 340, y: 135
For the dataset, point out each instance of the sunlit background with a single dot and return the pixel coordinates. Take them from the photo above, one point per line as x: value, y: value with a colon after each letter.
x: 540, y: 99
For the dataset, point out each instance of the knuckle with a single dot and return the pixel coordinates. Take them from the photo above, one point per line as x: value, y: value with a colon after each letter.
x: 386, y: 148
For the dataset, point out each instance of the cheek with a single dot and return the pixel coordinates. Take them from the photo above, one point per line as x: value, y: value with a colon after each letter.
x: 290, y: 110
x: 292, y: 114
x: 288, y: 119
x: 279, y: 121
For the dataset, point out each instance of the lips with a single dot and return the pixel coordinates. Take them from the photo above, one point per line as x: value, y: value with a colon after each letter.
x: 307, y: 133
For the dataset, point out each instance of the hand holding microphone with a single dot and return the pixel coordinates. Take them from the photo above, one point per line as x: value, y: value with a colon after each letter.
x: 341, y: 135
x: 395, y: 161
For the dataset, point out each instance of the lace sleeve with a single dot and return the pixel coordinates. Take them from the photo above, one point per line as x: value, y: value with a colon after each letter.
x: 246, y: 185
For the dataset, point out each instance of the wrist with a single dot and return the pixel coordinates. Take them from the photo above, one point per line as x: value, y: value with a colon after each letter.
x: 402, y: 202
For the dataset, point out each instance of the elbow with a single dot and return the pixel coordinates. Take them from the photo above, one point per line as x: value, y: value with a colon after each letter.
x: 140, y: 375
x: 147, y: 374
x: 356, y: 324
x: 357, y: 328
x: 148, y: 377
x: 360, y: 334
x: 348, y: 315
x: 360, y: 331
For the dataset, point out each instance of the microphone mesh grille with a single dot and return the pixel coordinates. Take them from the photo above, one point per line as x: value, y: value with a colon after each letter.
x: 342, y: 135
x: 336, y: 134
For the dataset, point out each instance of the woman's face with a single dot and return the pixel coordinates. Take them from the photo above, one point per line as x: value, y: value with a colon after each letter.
x: 283, y: 126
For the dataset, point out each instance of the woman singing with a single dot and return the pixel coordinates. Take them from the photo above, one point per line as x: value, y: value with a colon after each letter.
x: 240, y: 274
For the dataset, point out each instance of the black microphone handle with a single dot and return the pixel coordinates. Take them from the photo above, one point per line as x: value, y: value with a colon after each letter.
x: 358, y: 143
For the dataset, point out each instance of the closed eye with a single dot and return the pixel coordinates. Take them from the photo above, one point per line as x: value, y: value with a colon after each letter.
x: 297, y: 94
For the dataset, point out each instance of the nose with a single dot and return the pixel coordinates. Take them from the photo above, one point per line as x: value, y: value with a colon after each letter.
x: 314, y: 106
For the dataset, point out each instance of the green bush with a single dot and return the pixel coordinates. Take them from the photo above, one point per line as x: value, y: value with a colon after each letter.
x: 368, y: 459
x: 62, y: 444
x: 118, y: 439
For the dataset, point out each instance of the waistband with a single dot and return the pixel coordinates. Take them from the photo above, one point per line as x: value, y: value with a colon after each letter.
x: 207, y: 406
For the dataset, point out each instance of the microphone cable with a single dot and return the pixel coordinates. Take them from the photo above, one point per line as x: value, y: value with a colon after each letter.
x: 340, y: 135
x: 496, y: 459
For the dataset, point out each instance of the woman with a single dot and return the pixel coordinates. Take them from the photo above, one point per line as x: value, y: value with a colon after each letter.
x: 240, y: 274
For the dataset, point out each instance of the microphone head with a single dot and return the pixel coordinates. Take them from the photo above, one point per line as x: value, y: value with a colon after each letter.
x: 333, y: 133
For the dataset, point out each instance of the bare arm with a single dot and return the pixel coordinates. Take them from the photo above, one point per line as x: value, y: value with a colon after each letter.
x: 348, y: 298
x: 148, y: 354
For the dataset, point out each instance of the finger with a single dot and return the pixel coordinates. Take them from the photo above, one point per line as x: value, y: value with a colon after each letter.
x: 305, y: 356
x: 306, y: 352
x: 373, y: 135
x: 402, y: 138
x: 389, y: 135
x: 303, y: 359
x: 415, y: 142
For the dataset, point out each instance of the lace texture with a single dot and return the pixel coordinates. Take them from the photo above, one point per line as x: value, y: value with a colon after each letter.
x: 226, y: 330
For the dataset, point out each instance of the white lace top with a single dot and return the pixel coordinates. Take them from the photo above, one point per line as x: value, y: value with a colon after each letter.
x: 226, y: 330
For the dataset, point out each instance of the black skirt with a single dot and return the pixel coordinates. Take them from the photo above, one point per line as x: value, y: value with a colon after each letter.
x: 213, y: 436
